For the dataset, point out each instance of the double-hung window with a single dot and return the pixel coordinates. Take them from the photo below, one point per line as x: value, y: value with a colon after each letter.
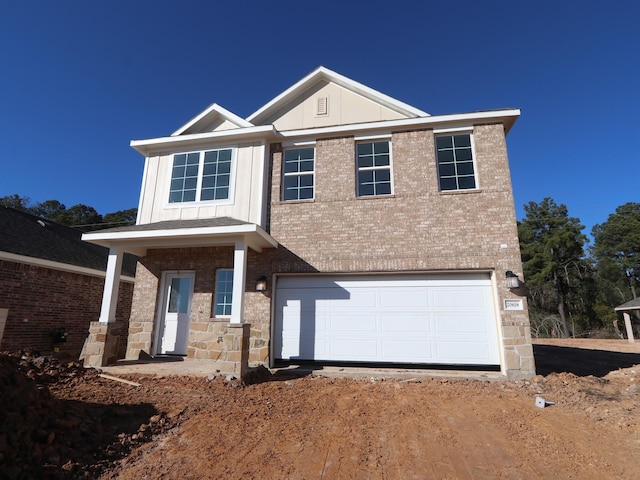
x: 224, y: 292
x: 456, y: 170
x: 373, y: 161
x: 298, y: 173
x: 201, y: 176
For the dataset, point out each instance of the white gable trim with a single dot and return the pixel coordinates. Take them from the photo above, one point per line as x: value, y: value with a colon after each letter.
x: 211, y: 112
x: 63, y: 267
x: 322, y: 73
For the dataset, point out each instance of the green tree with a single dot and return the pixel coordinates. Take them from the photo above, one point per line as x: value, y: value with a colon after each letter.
x: 616, y: 248
x: 16, y: 202
x: 551, y: 243
x: 81, y: 216
x: 50, y: 209
x: 120, y: 218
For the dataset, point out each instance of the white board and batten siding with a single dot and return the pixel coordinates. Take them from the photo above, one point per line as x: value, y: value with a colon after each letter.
x: 422, y: 319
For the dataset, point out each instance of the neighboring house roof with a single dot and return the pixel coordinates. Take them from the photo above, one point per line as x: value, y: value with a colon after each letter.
x: 180, y: 233
x: 26, y: 236
x: 323, y: 74
x: 630, y: 305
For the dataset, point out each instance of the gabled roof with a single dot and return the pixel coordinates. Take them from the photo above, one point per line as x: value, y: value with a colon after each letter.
x: 321, y: 74
x: 213, y: 113
x: 25, y: 235
x: 630, y: 305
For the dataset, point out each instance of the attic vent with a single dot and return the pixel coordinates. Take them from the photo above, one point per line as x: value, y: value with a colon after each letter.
x: 322, y: 106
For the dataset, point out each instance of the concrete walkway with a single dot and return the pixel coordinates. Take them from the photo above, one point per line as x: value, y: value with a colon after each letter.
x: 168, y: 366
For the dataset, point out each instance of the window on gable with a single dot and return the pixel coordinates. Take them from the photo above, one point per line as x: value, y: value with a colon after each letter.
x: 298, y: 173
x: 455, y: 162
x: 224, y: 292
x: 374, y: 168
x: 201, y: 176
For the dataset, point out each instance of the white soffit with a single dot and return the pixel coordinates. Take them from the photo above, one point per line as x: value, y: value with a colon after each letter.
x: 196, y: 140
x: 322, y: 73
x: 138, y: 241
x: 212, y: 112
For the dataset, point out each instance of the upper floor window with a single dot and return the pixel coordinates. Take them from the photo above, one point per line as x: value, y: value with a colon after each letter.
x: 298, y: 173
x: 455, y: 162
x: 374, y: 168
x: 201, y: 176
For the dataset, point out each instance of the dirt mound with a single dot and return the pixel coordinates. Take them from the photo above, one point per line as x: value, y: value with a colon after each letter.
x: 46, y: 436
x: 61, y: 421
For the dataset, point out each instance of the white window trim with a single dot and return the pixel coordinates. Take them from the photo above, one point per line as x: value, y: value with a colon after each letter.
x: 372, y: 138
x: 312, y: 173
x: 375, y: 139
x: 201, y: 153
x: 451, y: 132
x: 215, y: 293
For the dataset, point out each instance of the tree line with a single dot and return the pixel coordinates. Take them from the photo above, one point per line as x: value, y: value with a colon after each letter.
x: 80, y: 216
x: 572, y: 289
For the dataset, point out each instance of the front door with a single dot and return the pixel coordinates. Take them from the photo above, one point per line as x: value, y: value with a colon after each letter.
x: 174, y: 327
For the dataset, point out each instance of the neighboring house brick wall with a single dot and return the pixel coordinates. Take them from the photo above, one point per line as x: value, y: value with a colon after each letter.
x: 41, y: 300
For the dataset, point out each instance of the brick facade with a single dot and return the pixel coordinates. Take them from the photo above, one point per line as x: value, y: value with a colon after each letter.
x: 417, y: 229
x: 40, y: 300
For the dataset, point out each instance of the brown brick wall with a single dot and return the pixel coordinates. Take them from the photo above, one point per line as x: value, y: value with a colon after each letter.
x: 41, y: 300
x: 418, y: 228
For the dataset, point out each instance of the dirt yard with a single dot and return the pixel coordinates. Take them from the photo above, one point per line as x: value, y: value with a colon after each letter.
x: 63, y: 421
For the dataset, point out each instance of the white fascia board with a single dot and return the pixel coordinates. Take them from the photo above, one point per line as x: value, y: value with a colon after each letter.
x: 179, y: 235
x: 508, y: 117
x: 64, y: 267
x: 154, y: 145
x: 214, y: 108
x: 323, y: 73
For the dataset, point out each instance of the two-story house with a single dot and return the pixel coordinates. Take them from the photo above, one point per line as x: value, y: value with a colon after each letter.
x: 334, y: 225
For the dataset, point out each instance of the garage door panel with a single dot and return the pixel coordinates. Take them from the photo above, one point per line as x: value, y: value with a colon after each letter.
x: 355, y: 300
x: 462, y: 324
x: 404, y: 298
x: 447, y: 319
x: 406, y: 350
x: 407, y: 324
x: 474, y: 352
x: 346, y: 349
x: 353, y: 323
x: 458, y: 298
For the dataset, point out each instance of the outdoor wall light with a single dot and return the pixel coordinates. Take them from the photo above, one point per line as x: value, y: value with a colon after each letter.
x: 512, y: 279
x: 261, y: 284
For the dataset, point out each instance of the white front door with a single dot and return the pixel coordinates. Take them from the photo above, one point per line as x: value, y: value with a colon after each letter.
x: 174, y: 325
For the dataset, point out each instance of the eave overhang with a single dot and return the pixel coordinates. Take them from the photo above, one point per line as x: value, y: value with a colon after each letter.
x: 153, y: 146
x: 156, y: 146
x: 138, y: 240
x: 506, y: 116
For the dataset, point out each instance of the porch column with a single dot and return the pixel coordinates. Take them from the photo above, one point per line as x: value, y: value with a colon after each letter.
x: 111, y: 286
x: 627, y: 324
x: 239, y: 280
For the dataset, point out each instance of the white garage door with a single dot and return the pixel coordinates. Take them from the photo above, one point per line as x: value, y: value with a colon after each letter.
x: 437, y: 319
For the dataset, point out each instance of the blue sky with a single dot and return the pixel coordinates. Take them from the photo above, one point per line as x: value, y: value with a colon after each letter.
x: 80, y: 79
